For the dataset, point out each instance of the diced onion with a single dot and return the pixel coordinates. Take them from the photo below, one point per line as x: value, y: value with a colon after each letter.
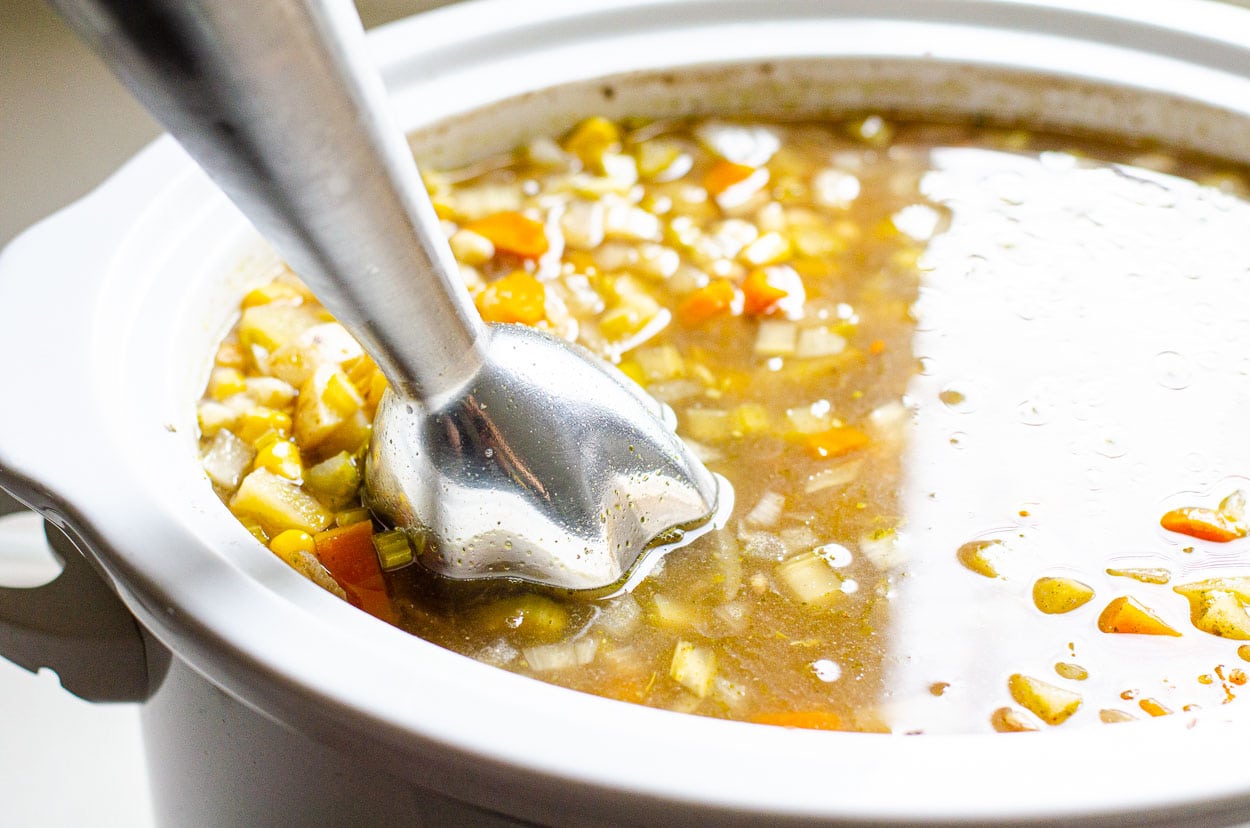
x: 818, y: 342
x: 693, y: 667
x: 561, y: 656
x: 776, y: 338
x: 834, y: 476
x: 767, y: 511
x: 810, y: 578
x: 619, y: 616
x: 227, y: 459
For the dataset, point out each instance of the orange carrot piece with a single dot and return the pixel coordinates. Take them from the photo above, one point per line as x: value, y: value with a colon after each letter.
x: 517, y: 297
x: 1126, y: 615
x: 765, y: 287
x: 725, y: 174
x: 716, y: 298
x: 836, y: 442
x: 876, y: 347
x: 348, y: 553
x: 1204, y: 524
x: 513, y: 233
x: 809, y: 719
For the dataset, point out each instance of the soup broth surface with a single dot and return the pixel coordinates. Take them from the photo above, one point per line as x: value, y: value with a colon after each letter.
x: 979, y: 392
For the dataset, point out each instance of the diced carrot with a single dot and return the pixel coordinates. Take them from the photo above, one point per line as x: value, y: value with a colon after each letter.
x: 876, y: 347
x: 517, y: 297
x: 765, y: 287
x: 1154, y: 707
x: 809, y: 719
x: 716, y: 298
x: 1126, y: 615
x: 836, y: 442
x: 725, y: 174
x: 347, y: 552
x: 513, y: 233
x: 1204, y: 524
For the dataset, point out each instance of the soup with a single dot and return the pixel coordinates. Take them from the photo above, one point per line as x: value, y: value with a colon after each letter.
x: 957, y: 376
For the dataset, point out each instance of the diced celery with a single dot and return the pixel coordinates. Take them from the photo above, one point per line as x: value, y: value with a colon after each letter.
x: 693, y: 667
x: 278, y: 504
x: 394, y: 549
x: 334, y: 481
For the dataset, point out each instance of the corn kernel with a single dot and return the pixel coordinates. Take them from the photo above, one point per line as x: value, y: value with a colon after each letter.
x: 281, y: 457
x: 287, y: 543
x: 272, y: 292
x: 591, y: 139
x: 259, y: 420
x: 471, y: 248
x: 341, y: 396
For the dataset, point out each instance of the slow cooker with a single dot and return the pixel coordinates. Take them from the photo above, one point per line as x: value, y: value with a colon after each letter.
x: 268, y: 701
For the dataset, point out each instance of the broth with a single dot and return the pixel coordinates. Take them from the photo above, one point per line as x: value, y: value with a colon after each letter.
x: 956, y: 375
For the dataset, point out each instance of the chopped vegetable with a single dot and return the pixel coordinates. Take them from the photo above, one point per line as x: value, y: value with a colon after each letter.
x: 772, y: 289
x: 836, y: 442
x: 693, y: 667
x: 806, y: 719
x: 348, y: 553
x: 547, y: 657
x: 517, y: 297
x: 278, y: 504
x: 527, y: 618
x: 1127, y: 615
x: 394, y: 549
x: 717, y: 298
x: 811, y: 578
x: 512, y: 232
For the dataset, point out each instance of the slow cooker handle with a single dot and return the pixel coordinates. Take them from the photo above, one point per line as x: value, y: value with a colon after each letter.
x: 75, y: 625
